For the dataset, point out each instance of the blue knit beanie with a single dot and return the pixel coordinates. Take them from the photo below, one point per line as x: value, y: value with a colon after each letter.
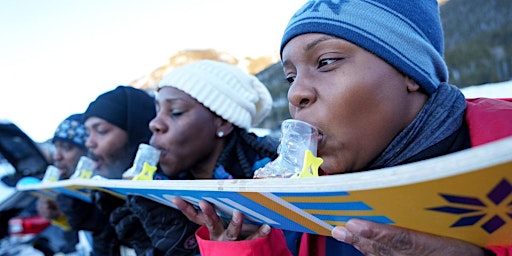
x: 71, y: 130
x: 407, y: 34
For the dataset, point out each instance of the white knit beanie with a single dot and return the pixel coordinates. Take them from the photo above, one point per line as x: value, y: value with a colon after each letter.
x: 225, y: 89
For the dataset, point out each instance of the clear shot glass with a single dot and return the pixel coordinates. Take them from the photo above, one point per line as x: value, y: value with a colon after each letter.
x: 296, y: 138
x: 84, y: 169
x: 51, y: 174
x: 145, y: 154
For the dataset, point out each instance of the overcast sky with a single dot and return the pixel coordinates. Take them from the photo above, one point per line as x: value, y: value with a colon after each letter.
x: 56, y: 56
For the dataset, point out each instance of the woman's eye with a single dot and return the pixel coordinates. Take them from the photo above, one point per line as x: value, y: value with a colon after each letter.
x: 102, y: 131
x: 176, y: 113
x: 66, y: 147
x: 324, y: 62
x: 290, y: 80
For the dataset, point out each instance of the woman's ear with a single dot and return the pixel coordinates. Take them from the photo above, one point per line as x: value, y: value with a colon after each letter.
x: 412, y: 86
x: 223, y: 127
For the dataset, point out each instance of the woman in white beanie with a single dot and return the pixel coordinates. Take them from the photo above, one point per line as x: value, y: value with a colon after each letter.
x: 204, y: 111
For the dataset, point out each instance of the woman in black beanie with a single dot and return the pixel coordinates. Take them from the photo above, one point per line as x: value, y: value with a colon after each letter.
x: 116, y: 123
x: 125, y: 112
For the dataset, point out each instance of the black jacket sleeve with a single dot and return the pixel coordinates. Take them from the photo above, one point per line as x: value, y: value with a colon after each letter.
x: 171, y: 232
x: 82, y: 215
x: 129, y: 230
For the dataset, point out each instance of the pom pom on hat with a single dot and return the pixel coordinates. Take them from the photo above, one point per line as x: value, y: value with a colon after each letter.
x: 225, y: 89
x: 71, y: 130
x: 407, y: 34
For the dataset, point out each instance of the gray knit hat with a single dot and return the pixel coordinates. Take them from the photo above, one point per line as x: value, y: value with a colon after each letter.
x: 407, y: 34
x: 225, y: 89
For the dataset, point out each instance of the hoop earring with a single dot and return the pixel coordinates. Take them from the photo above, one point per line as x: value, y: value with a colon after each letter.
x: 220, y: 134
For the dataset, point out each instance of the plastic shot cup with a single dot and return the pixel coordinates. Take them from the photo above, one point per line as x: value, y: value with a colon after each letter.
x: 84, y: 168
x: 51, y: 174
x: 296, y: 138
x: 146, y: 154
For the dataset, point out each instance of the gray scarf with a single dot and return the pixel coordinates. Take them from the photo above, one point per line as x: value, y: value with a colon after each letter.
x: 441, y: 116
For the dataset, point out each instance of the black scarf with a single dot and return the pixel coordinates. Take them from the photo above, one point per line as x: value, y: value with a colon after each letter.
x: 440, y: 123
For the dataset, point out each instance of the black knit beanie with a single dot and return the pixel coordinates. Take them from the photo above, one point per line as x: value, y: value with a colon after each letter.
x: 128, y: 108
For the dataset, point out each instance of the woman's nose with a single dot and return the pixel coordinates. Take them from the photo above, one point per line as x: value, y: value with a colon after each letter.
x: 57, y: 155
x: 156, y: 125
x: 300, y: 94
x: 90, y: 142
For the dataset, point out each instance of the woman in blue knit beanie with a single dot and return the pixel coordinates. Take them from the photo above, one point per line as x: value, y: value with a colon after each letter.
x: 69, y: 141
x: 370, y: 75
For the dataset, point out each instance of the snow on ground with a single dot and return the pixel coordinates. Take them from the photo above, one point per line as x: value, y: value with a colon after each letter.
x: 494, y: 90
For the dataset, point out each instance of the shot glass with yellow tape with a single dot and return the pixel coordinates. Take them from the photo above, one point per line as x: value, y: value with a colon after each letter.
x: 51, y: 174
x: 296, y: 152
x: 84, y: 168
x: 144, y: 164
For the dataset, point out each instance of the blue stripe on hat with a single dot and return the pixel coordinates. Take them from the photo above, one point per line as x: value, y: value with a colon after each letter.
x: 413, y: 45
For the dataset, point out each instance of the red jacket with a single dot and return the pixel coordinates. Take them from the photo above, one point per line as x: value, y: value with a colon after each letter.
x: 487, y: 119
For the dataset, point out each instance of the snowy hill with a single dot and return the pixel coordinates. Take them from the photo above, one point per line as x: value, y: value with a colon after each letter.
x: 494, y: 90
